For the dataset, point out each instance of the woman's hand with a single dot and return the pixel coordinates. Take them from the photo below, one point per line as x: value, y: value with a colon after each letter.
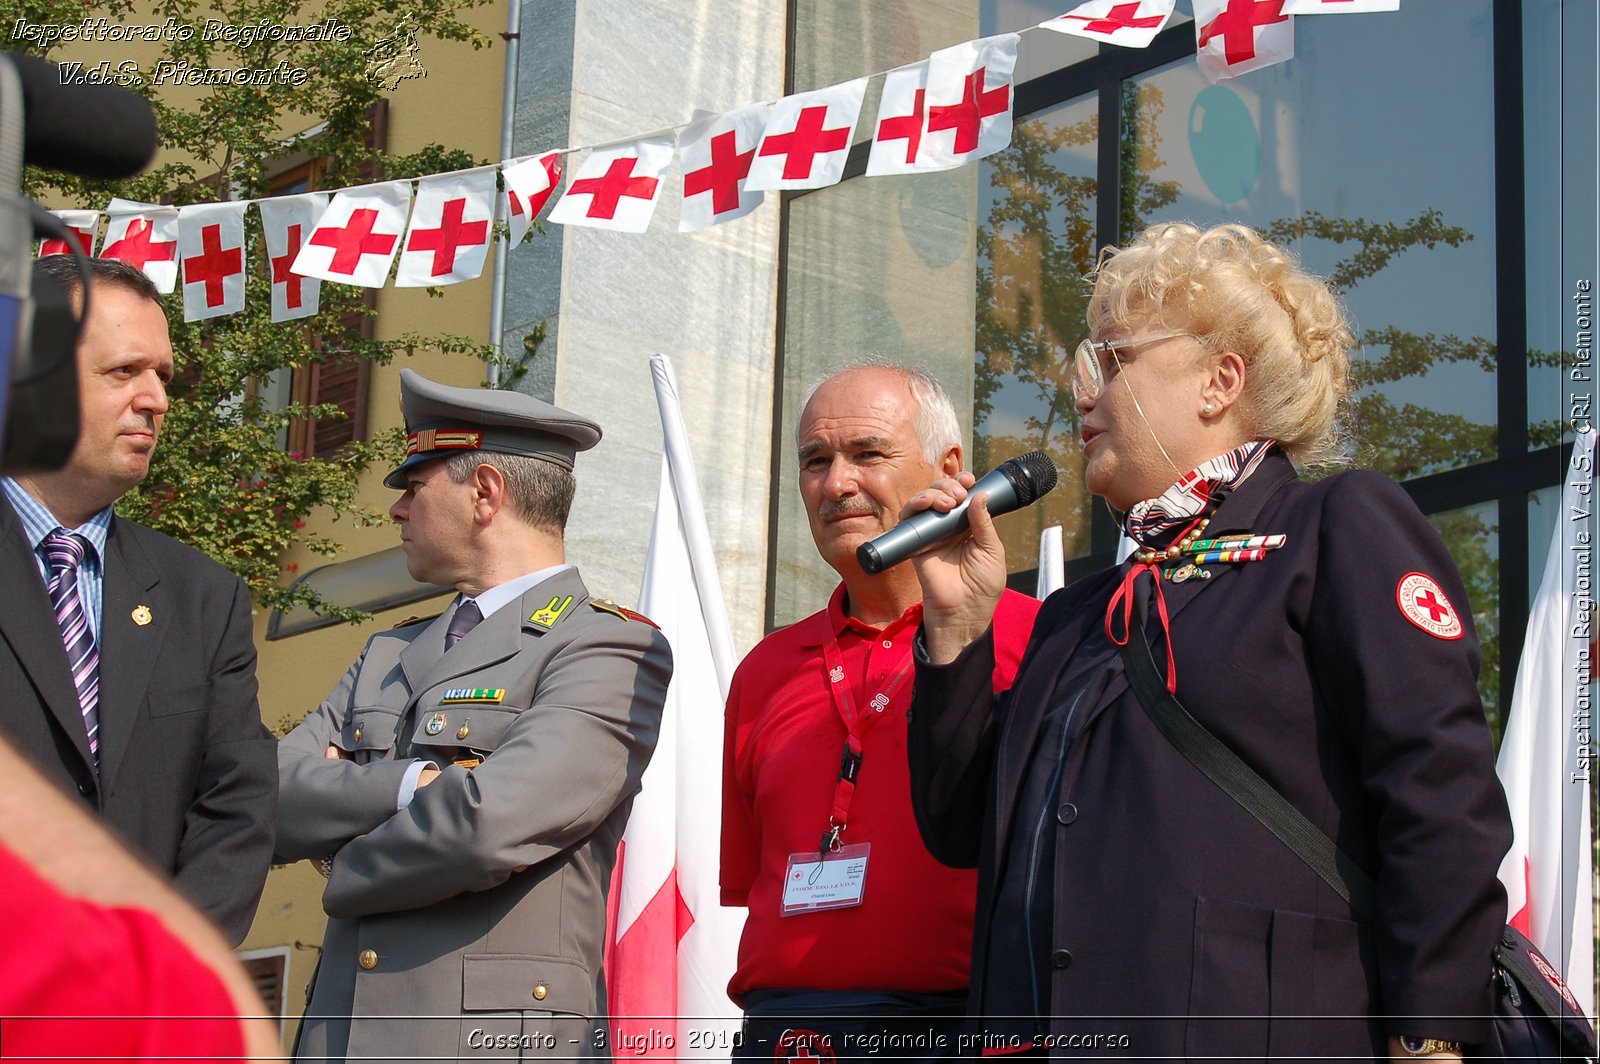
x: 961, y: 578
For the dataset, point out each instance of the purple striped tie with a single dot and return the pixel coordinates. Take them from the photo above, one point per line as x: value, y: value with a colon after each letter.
x: 64, y: 551
x: 466, y: 619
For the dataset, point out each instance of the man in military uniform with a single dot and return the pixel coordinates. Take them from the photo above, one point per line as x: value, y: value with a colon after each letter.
x: 465, y: 785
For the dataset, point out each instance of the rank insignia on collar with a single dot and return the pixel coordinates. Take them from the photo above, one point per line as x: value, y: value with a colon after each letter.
x: 460, y: 695
x: 435, y: 724
x: 547, y: 617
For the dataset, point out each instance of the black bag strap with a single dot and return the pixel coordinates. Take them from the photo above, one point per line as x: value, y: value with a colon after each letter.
x: 1241, y: 782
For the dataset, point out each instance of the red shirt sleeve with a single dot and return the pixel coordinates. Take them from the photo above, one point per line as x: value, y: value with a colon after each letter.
x: 740, y: 844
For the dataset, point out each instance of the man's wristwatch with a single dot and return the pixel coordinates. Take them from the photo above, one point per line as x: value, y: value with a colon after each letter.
x: 1421, y: 1047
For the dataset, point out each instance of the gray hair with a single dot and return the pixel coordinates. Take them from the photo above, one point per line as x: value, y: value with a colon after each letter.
x: 938, y: 428
x: 537, y: 491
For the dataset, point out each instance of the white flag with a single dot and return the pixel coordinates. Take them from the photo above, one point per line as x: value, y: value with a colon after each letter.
x: 807, y: 139
x: 1544, y: 761
x: 358, y: 236
x: 617, y: 188
x: 969, y: 101
x: 211, y: 255
x: 675, y: 945
x: 902, y: 117
x: 144, y: 235
x: 448, y: 239
x: 1338, y: 7
x: 286, y: 223
x: 1132, y: 25
x: 1052, y: 563
x: 1234, y: 37
x: 529, y: 181
x: 715, y: 153
x: 81, y: 226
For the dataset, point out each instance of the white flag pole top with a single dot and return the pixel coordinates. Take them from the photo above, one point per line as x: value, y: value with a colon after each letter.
x: 530, y: 181
x: 83, y: 227
x: 1546, y: 754
x: 286, y: 223
x: 211, y: 259
x: 1233, y: 38
x: 145, y: 236
x: 808, y: 137
x: 358, y: 236
x: 969, y: 102
x: 1115, y: 21
x: 1052, y: 563
x: 675, y: 439
x: 1338, y: 7
x: 617, y: 188
x: 715, y: 152
x: 447, y: 241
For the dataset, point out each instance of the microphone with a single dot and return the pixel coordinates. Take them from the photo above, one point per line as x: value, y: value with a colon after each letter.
x: 92, y: 130
x: 1013, y: 484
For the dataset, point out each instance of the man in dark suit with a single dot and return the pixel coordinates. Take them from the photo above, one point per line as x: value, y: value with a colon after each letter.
x: 126, y: 657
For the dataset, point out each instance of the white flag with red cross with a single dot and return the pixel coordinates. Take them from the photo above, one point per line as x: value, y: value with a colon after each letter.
x: 970, y: 99
x: 1234, y: 37
x: 1131, y: 25
x: 211, y: 259
x: 145, y: 236
x: 448, y: 239
x: 807, y: 139
x: 902, y: 116
x: 81, y: 227
x: 715, y: 152
x: 617, y: 188
x: 358, y: 236
x: 1338, y: 7
x: 530, y: 182
x: 286, y: 222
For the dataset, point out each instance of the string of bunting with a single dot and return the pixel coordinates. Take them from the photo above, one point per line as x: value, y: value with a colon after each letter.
x: 951, y: 109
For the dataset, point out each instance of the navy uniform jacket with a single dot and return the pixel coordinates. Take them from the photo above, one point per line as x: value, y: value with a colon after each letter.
x: 1170, y: 900
x: 187, y: 771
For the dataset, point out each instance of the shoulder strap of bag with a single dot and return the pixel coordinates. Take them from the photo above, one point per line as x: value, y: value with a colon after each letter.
x: 1241, y: 782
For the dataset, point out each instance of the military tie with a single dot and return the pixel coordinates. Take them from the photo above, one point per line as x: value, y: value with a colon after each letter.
x: 465, y: 620
x: 63, y: 552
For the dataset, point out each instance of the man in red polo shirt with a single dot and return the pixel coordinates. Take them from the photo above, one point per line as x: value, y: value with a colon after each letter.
x: 857, y: 941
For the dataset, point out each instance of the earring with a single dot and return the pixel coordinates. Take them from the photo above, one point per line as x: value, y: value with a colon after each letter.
x: 1208, y: 409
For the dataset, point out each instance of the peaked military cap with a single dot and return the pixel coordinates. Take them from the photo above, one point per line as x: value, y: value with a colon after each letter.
x: 441, y: 421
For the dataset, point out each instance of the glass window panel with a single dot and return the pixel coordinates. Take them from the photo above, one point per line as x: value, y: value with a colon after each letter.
x: 1544, y: 512
x: 1473, y: 536
x: 1400, y: 211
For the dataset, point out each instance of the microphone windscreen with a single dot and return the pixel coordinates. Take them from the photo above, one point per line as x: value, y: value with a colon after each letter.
x: 92, y: 130
x: 1035, y: 476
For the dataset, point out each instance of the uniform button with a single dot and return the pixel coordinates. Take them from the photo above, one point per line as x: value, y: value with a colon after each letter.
x: 1061, y: 958
x: 541, y: 992
x: 368, y: 959
x: 86, y: 789
x: 357, y: 735
x: 462, y: 732
x: 1067, y: 813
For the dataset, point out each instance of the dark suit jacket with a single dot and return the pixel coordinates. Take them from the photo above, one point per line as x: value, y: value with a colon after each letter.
x: 188, y: 774
x: 1178, y: 919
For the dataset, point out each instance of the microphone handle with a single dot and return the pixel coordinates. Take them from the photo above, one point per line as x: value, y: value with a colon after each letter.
x: 920, y: 531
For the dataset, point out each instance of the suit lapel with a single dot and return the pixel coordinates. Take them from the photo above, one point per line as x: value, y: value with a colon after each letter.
x: 28, y: 624
x: 128, y: 648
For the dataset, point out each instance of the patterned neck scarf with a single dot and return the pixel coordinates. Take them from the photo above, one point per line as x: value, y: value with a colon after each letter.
x: 1196, y: 493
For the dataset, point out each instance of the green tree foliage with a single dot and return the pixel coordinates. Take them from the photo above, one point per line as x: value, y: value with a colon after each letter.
x: 221, y: 479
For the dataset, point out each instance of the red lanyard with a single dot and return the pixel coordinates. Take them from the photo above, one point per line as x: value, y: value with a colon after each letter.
x: 856, y: 724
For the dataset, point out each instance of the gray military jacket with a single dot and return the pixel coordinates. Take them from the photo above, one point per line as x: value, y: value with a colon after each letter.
x: 471, y: 923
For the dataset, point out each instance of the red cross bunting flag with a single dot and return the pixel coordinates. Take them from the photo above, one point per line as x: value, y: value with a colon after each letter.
x: 144, y: 235
x: 286, y: 222
x: 82, y: 227
x: 448, y: 240
x: 211, y: 259
x: 1132, y: 25
x: 530, y: 182
x: 807, y: 138
x: 617, y: 188
x: 902, y: 117
x: 1338, y: 7
x: 715, y: 152
x: 358, y: 236
x: 1234, y: 37
x: 969, y: 102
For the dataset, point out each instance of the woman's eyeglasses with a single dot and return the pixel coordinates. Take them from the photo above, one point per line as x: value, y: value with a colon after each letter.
x: 1090, y: 372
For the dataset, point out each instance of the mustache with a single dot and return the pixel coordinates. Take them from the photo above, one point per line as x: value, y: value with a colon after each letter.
x: 854, y: 506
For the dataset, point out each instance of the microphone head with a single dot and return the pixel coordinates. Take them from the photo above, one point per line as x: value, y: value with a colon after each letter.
x: 1033, y: 474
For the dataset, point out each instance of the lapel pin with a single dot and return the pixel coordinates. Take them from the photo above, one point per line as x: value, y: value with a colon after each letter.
x: 141, y: 615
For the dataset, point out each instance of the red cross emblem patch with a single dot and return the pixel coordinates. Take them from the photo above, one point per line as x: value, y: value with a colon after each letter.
x: 799, y: 1044
x: 1424, y: 604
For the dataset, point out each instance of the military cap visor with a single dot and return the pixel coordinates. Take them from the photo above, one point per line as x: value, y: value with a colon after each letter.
x: 442, y: 421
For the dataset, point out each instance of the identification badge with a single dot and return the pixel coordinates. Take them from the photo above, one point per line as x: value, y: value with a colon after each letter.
x: 833, y: 881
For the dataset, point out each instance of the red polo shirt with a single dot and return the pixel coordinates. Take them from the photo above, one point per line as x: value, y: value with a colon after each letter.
x: 781, y: 751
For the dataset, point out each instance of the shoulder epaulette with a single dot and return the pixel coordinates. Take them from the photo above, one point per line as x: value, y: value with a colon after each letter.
x: 413, y: 620
x: 607, y: 606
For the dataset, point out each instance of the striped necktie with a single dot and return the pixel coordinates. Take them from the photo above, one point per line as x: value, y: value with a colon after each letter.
x: 63, y: 552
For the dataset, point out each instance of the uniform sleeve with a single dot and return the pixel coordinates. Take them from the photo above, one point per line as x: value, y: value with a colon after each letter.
x: 226, y: 846
x: 324, y: 803
x: 741, y: 844
x: 563, y: 767
x: 1409, y: 697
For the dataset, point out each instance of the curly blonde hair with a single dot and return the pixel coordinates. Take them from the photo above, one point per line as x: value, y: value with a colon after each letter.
x: 1236, y: 292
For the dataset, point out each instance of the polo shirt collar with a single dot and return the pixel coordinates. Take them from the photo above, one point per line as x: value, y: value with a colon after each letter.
x: 833, y: 620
